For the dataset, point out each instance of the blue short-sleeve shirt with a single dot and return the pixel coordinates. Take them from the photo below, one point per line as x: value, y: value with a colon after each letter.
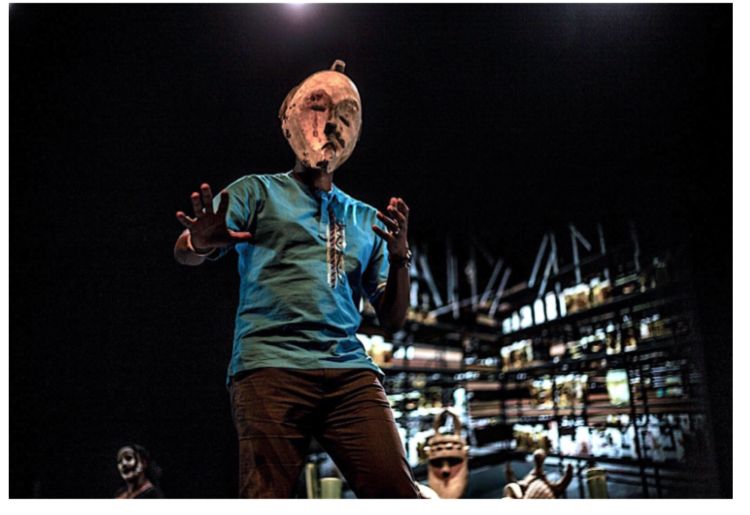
x: 312, y: 258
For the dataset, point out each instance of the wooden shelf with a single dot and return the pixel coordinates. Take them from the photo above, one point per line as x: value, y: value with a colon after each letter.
x: 653, y: 344
x: 662, y: 294
x: 646, y: 462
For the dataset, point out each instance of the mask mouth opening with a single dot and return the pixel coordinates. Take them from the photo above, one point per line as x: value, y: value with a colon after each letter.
x: 129, y: 471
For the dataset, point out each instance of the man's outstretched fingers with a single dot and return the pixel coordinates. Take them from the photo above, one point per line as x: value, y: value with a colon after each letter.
x: 195, y: 198
x: 207, y: 198
x: 184, y: 219
x: 396, y: 214
x: 380, y: 232
x: 401, y: 205
x: 387, y: 221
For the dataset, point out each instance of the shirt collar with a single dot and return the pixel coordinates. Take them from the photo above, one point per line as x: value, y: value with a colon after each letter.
x: 330, y: 196
x: 334, y: 195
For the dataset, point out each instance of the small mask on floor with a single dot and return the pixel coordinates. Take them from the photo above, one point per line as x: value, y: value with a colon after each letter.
x: 447, y: 455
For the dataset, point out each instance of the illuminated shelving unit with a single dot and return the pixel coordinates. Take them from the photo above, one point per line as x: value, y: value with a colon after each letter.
x: 615, y: 383
x: 598, y: 361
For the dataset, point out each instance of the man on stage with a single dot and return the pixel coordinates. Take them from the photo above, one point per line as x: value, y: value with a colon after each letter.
x: 308, y: 252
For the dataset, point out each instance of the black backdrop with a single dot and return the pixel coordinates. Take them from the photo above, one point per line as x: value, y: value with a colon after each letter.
x: 494, y: 122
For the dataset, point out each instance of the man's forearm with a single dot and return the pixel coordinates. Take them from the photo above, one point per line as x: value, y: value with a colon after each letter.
x: 184, y: 254
x: 394, y: 304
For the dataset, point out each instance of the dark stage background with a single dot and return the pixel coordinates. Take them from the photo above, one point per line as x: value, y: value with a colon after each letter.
x: 494, y: 122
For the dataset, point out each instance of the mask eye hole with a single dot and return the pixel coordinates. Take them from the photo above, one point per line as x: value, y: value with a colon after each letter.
x: 318, y: 100
x: 348, y: 107
x: 126, y: 458
x: 344, y: 120
x: 442, y: 462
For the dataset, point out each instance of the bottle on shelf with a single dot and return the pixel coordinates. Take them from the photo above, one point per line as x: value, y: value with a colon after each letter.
x: 629, y: 340
x: 613, y: 338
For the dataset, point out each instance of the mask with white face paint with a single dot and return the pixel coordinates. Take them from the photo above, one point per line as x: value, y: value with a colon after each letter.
x: 129, y: 464
x: 321, y: 118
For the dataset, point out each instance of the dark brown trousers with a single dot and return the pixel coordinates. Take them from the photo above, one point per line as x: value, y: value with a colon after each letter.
x: 276, y: 411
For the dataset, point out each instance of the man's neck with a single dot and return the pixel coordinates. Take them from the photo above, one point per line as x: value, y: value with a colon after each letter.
x: 313, y: 177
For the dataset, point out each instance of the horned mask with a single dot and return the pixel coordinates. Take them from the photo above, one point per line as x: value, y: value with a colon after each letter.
x: 536, y: 485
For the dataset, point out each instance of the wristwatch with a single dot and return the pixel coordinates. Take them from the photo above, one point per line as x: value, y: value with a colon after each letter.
x: 400, y: 261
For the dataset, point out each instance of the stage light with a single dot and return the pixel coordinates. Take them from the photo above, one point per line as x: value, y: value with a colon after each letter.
x: 296, y: 6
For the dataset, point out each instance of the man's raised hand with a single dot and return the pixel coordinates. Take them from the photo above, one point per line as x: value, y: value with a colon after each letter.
x: 397, y: 223
x: 208, y: 229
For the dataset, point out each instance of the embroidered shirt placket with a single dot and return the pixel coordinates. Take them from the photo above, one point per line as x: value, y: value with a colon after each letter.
x: 335, y: 245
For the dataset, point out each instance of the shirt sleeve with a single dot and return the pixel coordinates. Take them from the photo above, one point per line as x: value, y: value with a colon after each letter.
x: 244, y: 203
x: 376, y: 272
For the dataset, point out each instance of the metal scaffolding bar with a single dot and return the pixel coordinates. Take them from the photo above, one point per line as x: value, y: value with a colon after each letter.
x: 538, y: 260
